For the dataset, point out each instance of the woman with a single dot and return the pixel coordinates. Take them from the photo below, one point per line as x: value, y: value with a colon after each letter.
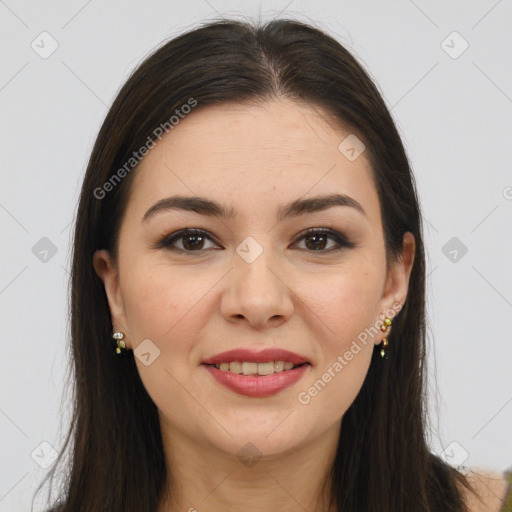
x: 247, y: 236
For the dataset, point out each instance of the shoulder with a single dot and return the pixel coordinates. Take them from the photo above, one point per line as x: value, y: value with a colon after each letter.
x: 491, y: 488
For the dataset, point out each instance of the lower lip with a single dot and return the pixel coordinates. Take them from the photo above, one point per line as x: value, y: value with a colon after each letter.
x: 257, y: 385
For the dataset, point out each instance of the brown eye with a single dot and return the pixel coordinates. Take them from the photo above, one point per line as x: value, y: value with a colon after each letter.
x: 191, y: 240
x: 316, y: 240
x: 194, y: 240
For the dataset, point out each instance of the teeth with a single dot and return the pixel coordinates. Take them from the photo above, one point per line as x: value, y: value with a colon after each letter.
x: 255, y: 368
x: 266, y: 368
x: 249, y: 368
x: 233, y: 367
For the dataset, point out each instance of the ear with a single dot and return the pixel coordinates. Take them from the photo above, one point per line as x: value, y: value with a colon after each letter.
x: 397, y: 281
x: 108, y: 273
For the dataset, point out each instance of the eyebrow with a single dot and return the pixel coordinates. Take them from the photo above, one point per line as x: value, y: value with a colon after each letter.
x: 211, y: 208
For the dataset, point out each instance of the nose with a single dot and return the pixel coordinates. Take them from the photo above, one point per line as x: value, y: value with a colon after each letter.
x: 258, y: 293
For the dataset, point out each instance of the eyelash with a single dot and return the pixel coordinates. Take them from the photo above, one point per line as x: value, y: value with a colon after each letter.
x: 168, y: 240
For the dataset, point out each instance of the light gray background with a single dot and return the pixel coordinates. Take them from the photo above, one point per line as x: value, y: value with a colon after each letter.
x: 455, y: 117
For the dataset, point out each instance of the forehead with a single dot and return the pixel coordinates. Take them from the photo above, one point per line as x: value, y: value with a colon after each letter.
x: 246, y: 155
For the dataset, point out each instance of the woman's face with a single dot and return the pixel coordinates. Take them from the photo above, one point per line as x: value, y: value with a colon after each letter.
x: 253, y: 279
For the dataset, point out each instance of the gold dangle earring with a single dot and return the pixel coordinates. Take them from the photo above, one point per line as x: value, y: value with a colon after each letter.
x: 121, y: 346
x: 386, y: 326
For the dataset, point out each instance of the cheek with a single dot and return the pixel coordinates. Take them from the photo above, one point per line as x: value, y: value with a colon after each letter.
x: 164, y: 303
x: 336, y: 388
x: 344, y: 305
x: 343, y: 314
x: 342, y: 310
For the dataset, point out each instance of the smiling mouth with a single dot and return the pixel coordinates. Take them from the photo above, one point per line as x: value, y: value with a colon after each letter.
x: 256, y: 369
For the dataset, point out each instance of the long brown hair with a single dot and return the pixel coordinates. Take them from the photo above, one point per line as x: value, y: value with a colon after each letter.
x: 116, y: 460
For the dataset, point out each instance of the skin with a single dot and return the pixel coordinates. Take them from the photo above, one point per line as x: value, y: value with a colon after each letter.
x: 295, y: 296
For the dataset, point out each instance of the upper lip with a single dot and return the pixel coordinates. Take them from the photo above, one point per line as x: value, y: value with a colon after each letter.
x: 256, y: 356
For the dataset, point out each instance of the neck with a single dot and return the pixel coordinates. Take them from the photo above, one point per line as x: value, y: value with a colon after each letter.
x: 201, y: 477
